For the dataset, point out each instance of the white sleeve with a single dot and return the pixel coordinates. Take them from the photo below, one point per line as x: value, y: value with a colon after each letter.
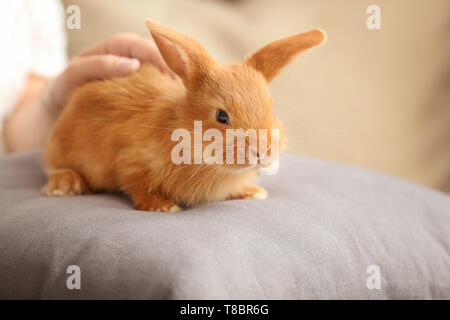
x: 48, y: 37
x: 37, y: 45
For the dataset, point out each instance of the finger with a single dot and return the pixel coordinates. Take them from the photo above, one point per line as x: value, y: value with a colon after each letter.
x: 94, y: 67
x: 132, y: 46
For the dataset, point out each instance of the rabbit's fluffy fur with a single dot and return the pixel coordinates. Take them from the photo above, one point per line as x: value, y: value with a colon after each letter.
x: 115, y: 135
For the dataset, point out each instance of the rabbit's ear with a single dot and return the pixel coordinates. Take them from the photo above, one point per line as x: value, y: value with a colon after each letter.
x: 270, y: 59
x: 184, y: 55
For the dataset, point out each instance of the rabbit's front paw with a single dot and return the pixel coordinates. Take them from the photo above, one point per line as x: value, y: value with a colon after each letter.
x: 156, y: 203
x: 63, y: 182
x: 251, y: 192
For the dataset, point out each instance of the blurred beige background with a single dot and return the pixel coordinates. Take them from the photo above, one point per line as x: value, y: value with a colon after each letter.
x: 377, y: 99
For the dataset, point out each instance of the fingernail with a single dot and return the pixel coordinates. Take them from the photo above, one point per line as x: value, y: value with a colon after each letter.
x: 126, y: 65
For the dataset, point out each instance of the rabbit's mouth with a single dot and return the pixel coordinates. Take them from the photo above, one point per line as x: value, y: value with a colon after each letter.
x: 270, y: 168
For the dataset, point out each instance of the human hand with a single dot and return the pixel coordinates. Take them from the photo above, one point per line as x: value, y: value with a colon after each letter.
x: 29, y: 124
x: 118, y: 56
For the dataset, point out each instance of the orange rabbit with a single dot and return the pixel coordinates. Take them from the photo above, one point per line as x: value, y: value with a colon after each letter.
x: 115, y: 135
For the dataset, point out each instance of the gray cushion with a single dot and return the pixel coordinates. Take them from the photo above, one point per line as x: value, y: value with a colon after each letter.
x: 315, y: 236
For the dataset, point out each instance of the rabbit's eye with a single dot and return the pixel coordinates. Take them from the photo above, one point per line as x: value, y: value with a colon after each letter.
x: 222, y: 117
